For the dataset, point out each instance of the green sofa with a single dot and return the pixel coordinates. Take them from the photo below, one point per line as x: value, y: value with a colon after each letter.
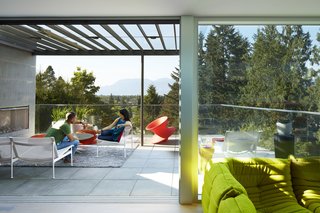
x: 262, y: 185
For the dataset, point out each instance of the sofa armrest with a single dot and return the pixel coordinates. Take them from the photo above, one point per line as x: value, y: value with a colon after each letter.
x: 238, y: 204
x: 219, y: 184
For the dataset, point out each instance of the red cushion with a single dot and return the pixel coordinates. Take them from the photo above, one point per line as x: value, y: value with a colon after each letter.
x: 40, y: 135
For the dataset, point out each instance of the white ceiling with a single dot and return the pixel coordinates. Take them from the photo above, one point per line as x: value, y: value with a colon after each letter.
x: 152, y: 8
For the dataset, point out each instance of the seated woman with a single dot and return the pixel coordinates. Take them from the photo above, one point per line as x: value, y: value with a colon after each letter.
x: 113, y: 131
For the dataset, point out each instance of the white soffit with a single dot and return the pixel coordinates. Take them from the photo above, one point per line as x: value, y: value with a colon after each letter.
x: 156, y: 8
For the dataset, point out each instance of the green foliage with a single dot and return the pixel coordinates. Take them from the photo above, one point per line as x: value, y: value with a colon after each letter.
x: 83, y: 112
x: 152, y: 103
x: 81, y: 89
x: 170, y: 106
x: 59, y: 113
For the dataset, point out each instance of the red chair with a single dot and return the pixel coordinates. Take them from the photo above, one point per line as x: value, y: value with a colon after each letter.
x: 160, y: 129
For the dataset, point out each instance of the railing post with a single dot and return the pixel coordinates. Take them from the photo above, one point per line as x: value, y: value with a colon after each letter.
x: 142, y: 99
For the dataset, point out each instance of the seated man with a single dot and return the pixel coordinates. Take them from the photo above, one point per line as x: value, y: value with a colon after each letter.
x: 61, y: 131
x: 113, y: 131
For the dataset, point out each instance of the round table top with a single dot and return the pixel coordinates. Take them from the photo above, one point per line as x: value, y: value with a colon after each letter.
x: 83, y: 136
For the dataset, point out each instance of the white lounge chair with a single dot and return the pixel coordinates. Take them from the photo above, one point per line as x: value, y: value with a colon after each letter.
x: 6, y: 152
x: 126, y: 136
x: 241, y: 143
x: 39, y: 150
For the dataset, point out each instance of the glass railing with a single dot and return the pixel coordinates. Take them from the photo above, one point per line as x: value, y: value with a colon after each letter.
x: 293, y: 131
x: 101, y: 115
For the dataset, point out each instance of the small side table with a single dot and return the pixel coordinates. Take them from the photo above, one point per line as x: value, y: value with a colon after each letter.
x: 283, y: 145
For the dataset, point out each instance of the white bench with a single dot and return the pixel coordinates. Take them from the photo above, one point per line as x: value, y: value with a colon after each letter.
x: 39, y: 150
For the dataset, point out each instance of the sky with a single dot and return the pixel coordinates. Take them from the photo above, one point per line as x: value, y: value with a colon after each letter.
x: 110, y: 69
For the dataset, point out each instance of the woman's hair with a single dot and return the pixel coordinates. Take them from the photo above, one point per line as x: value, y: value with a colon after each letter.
x: 125, y: 114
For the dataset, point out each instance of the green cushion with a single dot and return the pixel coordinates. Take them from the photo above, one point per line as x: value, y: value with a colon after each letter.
x: 306, y: 182
x: 236, y: 204
x: 218, y: 185
x: 267, y: 182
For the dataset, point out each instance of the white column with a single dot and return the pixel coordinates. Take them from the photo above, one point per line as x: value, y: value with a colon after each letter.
x: 188, y: 184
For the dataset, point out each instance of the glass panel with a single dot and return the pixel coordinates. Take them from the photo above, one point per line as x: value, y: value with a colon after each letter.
x: 261, y: 79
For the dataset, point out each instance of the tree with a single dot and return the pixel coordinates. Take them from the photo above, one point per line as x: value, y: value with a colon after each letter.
x: 277, y: 75
x: 152, y: 103
x: 83, y: 89
x: 170, y: 106
x: 44, y: 85
x: 222, y: 65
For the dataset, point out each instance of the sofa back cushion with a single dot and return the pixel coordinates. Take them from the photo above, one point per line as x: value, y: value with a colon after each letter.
x: 267, y: 181
x: 305, y: 174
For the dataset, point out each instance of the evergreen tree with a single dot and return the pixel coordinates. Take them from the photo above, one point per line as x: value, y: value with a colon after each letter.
x: 277, y: 75
x: 152, y: 103
x: 170, y: 106
x: 222, y: 67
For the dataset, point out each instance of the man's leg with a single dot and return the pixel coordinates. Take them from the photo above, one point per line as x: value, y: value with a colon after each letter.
x: 65, y: 142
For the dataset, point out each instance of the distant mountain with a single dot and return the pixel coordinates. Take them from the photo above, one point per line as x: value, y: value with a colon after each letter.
x: 132, y: 87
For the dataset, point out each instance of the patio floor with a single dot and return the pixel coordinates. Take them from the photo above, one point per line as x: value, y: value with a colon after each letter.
x: 149, y: 176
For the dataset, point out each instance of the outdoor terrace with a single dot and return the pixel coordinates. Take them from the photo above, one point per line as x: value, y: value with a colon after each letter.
x: 150, y: 175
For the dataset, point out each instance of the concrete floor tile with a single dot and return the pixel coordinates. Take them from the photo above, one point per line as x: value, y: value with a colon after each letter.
x: 163, y: 154
x: 90, y: 173
x: 35, y: 187
x: 29, y: 172
x: 74, y: 187
x: 5, y: 172
x: 123, y: 173
x: 160, y: 163
x: 136, y: 162
x: 60, y: 172
x: 114, y: 187
x: 151, y: 188
x: 10, y: 185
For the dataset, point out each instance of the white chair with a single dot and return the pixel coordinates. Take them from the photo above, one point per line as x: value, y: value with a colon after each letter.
x: 126, y: 136
x: 6, y: 152
x: 40, y: 150
x: 238, y: 143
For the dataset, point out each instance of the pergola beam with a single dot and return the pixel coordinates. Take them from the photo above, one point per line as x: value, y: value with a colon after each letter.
x: 110, y: 52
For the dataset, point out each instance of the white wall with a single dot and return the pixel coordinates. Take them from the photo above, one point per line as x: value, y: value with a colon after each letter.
x: 17, y: 82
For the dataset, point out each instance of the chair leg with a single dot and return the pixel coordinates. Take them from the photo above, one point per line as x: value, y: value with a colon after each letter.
x: 11, y: 175
x: 97, y: 148
x: 53, y: 171
x: 71, y: 158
